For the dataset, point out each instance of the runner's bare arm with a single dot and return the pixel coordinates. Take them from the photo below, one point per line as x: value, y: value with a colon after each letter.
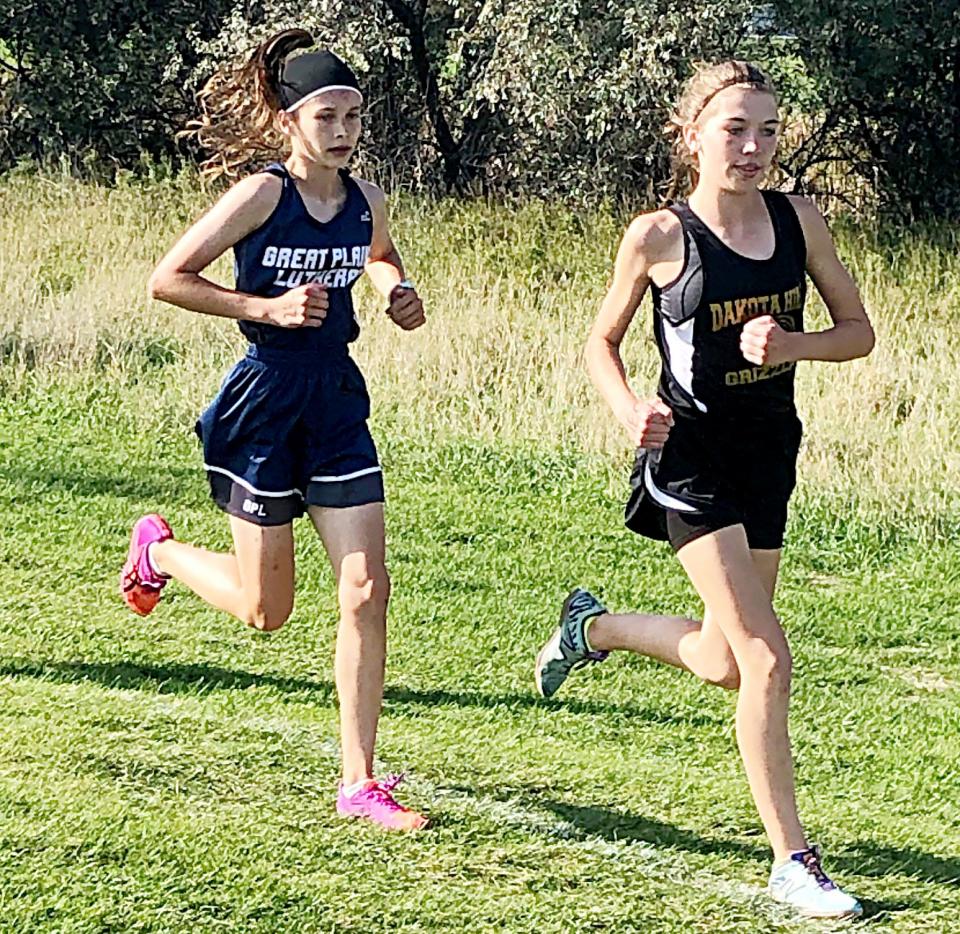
x: 178, y: 280
x: 850, y: 336
x: 385, y: 266
x: 650, y: 239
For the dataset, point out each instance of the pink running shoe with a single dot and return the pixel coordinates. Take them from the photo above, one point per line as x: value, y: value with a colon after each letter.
x: 140, y: 584
x: 374, y: 802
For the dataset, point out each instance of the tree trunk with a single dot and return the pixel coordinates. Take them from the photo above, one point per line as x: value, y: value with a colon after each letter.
x: 412, y: 21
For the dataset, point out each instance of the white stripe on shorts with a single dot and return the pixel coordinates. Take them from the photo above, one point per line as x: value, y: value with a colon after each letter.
x: 346, y: 476
x: 248, y: 486
x: 661, y: 498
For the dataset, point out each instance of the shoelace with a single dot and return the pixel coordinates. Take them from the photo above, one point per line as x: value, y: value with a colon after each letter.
x: 130, y: 580
x: 392, y: 780
x: 810, y: 860
x: 589, y: 660
x: 133, y: 579
x: 381, y: 792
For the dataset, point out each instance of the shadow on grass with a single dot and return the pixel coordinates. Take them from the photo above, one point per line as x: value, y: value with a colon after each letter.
x: 618, y: 827
x: 199, y: 679
x: 149, y: 484
x: 870, y: 858
x: 864, y: 858
x: 160, y: 679
x: 877, y: 911
x: 859, y: 859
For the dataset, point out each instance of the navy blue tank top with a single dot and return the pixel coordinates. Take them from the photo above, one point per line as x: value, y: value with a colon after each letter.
x: 699, y: 317
x: 292, y: 248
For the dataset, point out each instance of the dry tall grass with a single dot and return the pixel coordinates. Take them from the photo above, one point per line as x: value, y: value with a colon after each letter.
x: 510, y: 293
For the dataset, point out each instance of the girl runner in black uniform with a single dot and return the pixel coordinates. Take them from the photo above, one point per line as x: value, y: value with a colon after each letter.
x: 287, y: 433
x: 719, y: 442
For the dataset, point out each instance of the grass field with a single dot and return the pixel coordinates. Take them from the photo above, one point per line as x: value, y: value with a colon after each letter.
x: 177, y: 774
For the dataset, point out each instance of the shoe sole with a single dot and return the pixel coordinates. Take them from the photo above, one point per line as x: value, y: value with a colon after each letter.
x: 536, y: 668
x: 425, y: 822
x: 129, y: 596
x: 814, y: 915
x: 536, y: 665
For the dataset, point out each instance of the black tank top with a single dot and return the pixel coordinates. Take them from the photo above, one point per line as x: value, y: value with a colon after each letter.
x: 699, y: 317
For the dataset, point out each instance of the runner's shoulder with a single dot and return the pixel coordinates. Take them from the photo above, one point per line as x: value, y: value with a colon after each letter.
x: 656, y: 237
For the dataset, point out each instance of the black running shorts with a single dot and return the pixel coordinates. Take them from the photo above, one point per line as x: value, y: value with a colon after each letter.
x: 714, y: 473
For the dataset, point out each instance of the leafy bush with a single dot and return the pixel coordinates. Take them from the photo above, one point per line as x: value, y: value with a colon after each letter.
x: 101, y: 81
x: 888, y: 95
x: 565, y: 98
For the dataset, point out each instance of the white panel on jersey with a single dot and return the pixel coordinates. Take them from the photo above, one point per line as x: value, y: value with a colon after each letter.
x: 679, y: 342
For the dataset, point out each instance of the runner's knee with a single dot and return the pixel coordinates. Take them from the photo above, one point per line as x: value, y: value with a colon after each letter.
x: 268, y: 618
x: 364, y: 589
x: 767, y: 661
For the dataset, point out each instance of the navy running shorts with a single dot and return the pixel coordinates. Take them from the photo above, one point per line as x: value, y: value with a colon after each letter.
x: 287, y: 431
x: 714, y: 473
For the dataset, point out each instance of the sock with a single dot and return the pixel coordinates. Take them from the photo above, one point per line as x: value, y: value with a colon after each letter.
x: 153, y: 566
x: 586, y: 631
x: 351, y: 790
x: 789, y: 858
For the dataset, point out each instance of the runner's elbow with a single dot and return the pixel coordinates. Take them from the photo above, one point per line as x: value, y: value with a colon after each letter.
x: 158, y: 286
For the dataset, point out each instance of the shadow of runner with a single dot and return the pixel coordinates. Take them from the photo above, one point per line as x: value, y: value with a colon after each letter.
x: 178, y: 678
x: 174, y: 678
x: 159, y: 484
x: 869, y: 858
x: 614, y: 826
x: 864, y: 858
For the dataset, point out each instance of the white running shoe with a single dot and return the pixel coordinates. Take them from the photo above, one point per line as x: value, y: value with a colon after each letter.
x: 801, y: 883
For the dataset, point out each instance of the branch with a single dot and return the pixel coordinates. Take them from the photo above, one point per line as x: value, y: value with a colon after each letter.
x: 811, y: 147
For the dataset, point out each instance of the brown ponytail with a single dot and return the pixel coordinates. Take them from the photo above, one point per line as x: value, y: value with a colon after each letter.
x: 239, y: 106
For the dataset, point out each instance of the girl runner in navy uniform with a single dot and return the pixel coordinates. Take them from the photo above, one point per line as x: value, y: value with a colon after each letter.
x: 287, y: 434
x: 718, y: 444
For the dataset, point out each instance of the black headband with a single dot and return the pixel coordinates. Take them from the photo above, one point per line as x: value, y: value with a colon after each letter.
x: 753, y: 79
x: 305, y: 76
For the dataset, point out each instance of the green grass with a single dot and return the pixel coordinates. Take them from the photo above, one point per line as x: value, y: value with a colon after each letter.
x: 510, y: 293
x: 177, y: 774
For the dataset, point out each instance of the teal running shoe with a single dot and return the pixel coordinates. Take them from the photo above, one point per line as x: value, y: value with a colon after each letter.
x: 567, y: 649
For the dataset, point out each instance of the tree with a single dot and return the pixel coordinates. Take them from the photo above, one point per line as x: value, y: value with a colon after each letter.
x: 564, y: 98
x: 97, y: 80
x: 511, y: 95
x: 888, y: 108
